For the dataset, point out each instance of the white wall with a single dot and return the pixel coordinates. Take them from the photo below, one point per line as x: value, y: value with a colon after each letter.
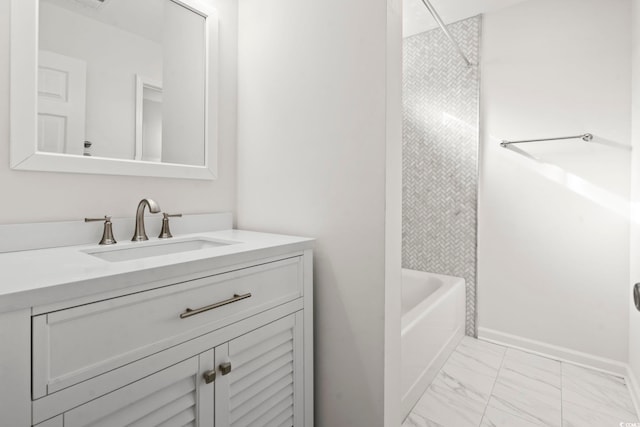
x: 634, y: 277
x: 312, y: 150
x: 417, y: 19
x: 31, y: 196
x: 393, y: 218
x: 553, y: 232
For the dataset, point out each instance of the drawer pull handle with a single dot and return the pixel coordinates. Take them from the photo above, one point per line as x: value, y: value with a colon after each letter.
x: 189, y: 312
x: 209, y: 376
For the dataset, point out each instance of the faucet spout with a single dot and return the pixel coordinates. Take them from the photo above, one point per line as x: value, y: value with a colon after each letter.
x: 140, y: 233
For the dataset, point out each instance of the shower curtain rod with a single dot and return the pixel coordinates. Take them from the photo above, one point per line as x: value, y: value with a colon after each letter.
x: 435, y: 15
x: 585, y: 137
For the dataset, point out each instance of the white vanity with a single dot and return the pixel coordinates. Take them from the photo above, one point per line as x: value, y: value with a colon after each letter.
x: 217, y: 330
x: 213, y: 327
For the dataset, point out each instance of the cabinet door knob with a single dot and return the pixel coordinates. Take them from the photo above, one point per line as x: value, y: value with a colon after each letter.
x: 225, y: 368
x: 209, y: 376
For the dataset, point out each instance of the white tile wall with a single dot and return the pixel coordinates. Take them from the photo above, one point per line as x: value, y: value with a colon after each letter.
x: 440, y: 155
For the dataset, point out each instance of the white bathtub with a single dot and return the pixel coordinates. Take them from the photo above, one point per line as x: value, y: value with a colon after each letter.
x: 433, y: 318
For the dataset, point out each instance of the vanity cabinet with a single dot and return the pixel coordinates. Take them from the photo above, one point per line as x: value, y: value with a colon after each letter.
x: 173, y: 396
x: 230, y: 346
x: 256, y: 380
x: 265, y: 384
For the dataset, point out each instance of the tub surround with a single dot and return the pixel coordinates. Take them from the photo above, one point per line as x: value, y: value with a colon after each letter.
x: 237, y: 300
x: 440, y: 152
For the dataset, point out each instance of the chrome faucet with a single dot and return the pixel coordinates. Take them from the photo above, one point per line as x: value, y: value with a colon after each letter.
x: 140, y: 234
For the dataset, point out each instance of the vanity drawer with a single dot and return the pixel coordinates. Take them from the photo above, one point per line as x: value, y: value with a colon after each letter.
x: 73, y: 345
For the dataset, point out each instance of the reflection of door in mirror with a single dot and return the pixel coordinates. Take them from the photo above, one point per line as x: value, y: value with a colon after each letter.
x: 148, y: 120
x: 162, y: 40
x: 61, y: 103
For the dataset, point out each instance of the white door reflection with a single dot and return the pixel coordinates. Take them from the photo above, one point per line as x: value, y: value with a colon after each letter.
x: 61, y: 103
x: 161, y: 42
x: 148, y: 120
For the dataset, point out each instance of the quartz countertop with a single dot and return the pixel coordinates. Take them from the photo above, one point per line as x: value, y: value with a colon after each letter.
x: 46, y: 276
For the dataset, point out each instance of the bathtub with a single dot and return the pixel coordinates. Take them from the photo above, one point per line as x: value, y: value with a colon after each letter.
x: 433, y: 321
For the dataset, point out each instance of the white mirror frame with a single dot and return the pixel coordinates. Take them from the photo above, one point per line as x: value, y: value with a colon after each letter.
x: 24, y: 106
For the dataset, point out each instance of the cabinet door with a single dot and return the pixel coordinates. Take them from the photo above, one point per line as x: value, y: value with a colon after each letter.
x: 265, y: 384
x: 175, y: 396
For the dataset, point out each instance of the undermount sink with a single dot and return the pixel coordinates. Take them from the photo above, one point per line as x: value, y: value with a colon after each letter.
x: 133, y: 252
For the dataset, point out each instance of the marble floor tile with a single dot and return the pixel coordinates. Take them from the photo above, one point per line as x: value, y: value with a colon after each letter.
x: 592, y: 376
x: 533, y: 366
x: 483, y: 353
x: 415, y: 420
x: 600, y: 392
x: 579, y: 416
x: 486, y: 385
x: 519, y: 392
x: 462, y: 388
x: 473, y: 367
x: 496, y: 418
x: 452, y: 403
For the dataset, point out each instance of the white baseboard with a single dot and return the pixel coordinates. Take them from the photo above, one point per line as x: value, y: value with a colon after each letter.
x: 562, y: 354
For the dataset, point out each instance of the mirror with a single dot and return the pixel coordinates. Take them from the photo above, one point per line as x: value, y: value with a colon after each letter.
x: 114, y: 87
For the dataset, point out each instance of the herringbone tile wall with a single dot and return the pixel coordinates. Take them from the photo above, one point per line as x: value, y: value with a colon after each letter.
x: 440, y: 155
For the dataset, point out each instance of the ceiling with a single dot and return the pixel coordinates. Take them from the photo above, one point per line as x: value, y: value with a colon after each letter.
x: 141, y: 17
x: 416, y: 17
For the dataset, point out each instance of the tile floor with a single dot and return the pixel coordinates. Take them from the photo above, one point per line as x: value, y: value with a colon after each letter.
x: 486, y: 385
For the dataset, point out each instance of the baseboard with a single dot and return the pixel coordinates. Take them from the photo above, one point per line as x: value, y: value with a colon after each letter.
x: 562, y: 354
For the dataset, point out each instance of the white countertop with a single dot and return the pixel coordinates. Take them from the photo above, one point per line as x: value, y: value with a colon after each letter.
x: 37, y: 277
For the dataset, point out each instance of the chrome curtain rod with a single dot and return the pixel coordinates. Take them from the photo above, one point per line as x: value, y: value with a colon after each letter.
x: 435, y: 15
x: 585, y: 137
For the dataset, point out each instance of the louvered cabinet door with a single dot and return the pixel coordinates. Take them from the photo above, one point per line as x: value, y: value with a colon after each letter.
x: 264, y: 386
x: 176, y: 396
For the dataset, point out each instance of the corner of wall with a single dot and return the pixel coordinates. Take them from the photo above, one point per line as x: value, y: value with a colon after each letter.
x: 393, y: 216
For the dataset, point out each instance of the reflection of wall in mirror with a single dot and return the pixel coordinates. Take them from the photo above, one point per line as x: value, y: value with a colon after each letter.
x: 113, y: 57
x: 183, y: 87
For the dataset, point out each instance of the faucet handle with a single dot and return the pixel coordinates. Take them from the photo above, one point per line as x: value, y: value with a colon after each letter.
x: 105, y: 218
x: 165, y: 233
x: 107, y: 234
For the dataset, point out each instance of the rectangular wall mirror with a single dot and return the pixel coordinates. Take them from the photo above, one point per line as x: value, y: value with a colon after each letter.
x: 114, y: 87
